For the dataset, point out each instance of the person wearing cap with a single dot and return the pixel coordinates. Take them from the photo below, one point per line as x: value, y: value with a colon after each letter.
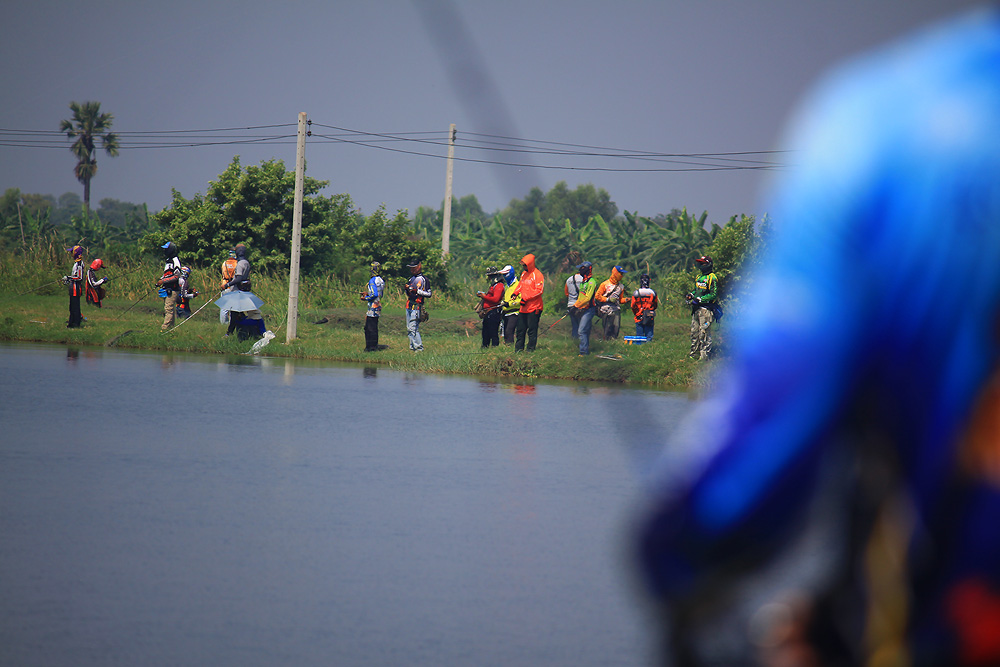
x: 417, y: 289
x: 702, y: 315
x: 511, y: 303
x: 530, y: 288
x: 644, y: 304
x: 169, y: 284
x: 572, y: 290
x: 95, y: 291
x: 373, y: 297
x: 585, y: 306
x: 492, y: 312
x: 610, y: 296
x: 75, y: 282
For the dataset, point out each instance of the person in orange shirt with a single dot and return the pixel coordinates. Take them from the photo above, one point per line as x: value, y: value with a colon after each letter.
x: 532, y: 284
x: 609, y: 297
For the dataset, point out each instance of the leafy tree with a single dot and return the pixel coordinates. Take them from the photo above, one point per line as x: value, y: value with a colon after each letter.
x: 87, y: 125
x: 254, y: 206
x: 391, y: 243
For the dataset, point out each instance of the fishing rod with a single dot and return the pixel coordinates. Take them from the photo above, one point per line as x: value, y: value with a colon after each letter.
x: 137, y: 302
x: 554, y: 323
x: 191, y: 316
x: 127, y: 273
x: 52, y: 282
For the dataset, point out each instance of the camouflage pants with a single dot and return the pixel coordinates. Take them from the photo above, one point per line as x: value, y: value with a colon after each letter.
x: 701, y: 333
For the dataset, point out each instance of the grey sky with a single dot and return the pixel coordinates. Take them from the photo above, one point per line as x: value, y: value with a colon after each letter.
x: 671, y: 76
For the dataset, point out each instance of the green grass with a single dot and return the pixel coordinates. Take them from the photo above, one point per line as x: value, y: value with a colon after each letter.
x: 132, y: 315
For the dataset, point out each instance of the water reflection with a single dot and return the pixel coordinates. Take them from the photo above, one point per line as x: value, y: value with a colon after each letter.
x: 323, y: 531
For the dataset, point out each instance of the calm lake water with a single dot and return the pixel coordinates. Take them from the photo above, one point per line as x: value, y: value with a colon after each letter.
x: 182, y: 510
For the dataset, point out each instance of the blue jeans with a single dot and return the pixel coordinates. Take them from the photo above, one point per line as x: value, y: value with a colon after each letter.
x: 413, y: 329
x: 586, y: 321
x: 646, y: 331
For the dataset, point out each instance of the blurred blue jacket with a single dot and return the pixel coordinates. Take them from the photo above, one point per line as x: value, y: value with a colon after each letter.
x: 873, y: 330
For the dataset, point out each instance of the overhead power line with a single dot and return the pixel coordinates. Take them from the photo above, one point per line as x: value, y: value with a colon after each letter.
x: 729, y: 161
x: 478, y: 147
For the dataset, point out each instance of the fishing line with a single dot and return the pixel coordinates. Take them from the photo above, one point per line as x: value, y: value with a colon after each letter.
x: 52, y: 282
x: 190, y: 317
x: 137, y: 302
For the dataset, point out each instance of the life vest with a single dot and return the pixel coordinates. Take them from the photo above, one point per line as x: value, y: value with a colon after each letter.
x: 171, y: 270
x: 229, y: 269
x: 512, y: 300
x: 76, y: 279
x: 95, y: 289
x: 644, y: 303
x: 417, y: 290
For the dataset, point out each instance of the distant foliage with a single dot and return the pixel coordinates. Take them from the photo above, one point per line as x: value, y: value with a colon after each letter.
x: 255, y: 205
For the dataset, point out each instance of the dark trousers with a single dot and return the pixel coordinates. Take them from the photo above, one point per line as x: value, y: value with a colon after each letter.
x: 509, y: 324
x: 527, y: 323
x: 491, y: 328
x: 612, y: 325
x: 235, y: 317
x: 371, y: 334
x: 75, y: 316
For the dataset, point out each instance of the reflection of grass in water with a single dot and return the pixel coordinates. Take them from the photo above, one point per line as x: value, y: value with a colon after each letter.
x: 451, y: 339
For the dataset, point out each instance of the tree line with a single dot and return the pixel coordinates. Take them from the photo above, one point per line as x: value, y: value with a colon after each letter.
x: 253, y: 205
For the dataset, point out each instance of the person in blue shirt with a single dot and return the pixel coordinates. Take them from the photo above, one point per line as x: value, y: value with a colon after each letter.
x: 373, y: 297
x: 861, y: 391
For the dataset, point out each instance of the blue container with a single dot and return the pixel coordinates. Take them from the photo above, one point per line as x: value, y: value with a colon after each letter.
x: 634, y: 340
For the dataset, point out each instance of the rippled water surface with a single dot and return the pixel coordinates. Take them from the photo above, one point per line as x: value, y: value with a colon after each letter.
x: 180, y: 510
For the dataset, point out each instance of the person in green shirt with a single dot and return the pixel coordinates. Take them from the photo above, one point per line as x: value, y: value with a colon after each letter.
x: 585, y: 306
x: 702, y: 315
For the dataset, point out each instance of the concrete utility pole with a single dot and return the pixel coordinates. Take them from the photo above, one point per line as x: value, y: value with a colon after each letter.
x: 446, y: 228
x: 293, y: 273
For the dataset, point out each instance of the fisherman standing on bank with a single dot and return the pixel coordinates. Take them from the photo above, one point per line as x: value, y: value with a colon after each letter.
x: 251, y: 322
x: 75, y: 282
x: 511, y: 303
x: 644, y: 304
x: 572, y: 291
x: 95, y: 291
x: 531, y: 286
x: 702, y: 316
x: 417, y: 289
x: 492, y: 299
x: 169, y: 284
x: 373, y: 297
x: 610, y: 296
x: 585, y: 305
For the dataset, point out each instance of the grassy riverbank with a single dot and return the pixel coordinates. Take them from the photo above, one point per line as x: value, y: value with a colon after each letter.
x: 451, y: 340
x: 34, y: 307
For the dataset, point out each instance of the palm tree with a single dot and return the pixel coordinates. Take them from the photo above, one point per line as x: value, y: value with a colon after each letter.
x: 87, y: 125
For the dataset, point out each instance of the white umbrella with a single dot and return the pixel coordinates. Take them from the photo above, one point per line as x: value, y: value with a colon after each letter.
x: 237, y: 301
